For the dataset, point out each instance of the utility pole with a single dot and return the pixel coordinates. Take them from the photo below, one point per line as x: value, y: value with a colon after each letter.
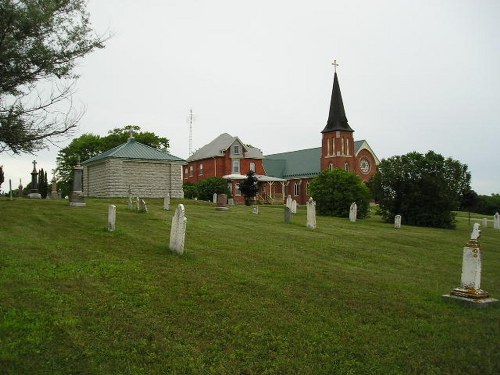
x: 190, y: 122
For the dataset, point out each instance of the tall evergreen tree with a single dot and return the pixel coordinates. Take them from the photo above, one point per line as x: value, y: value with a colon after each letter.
x: 249, y: 187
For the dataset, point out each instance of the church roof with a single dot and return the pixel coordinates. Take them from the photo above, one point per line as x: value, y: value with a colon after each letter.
x: 302, y: 163
x: 134, y: 150
x: 221, y: 144
x: 337, y: 119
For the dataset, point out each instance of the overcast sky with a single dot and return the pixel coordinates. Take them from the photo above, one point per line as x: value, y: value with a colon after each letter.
x: 414, y: 75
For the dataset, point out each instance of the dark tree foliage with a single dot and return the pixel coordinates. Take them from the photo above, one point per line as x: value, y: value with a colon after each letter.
x: 190, y: 190
x: 2, y: 177
x: 249, y: 187
x: 423, y: 189
x: 334, y: 192
x: 487, y: 204
x: 90, y: 145
x: 40, y: 42
x: 43, y: 184
x: 207, y: 187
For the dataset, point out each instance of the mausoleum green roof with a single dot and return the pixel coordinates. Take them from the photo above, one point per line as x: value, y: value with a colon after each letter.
x: 134, y: 150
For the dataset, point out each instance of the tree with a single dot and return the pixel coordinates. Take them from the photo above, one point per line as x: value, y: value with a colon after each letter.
x: 2, y: 178
x: 40, y: 43
x: 43, y: 184
x: 335, y: 190
x: 89, y: 145
x: 423, y: 189
x: 207, y: 187
x: 249, y: 187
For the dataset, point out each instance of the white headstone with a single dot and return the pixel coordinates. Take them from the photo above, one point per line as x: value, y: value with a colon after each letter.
x: 166, y: 202
x: 255, y: 210
x: 111, y: 217
x: 289, y: 202
x: 353, y: 212
x: 496, y: 221
x: 144, y: 206
x: 214, y: 198
x: 397, y: 221
x: 484, y: 223
x: 178, y: 230
x: 230, y: 202
x: 138, y: 204
x: 311, y: 214
x: 130, y: 204
x: 293, y: 207
x: 471, y: 262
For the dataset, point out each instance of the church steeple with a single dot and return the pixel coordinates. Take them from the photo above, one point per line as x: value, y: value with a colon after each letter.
x: 337, y: 119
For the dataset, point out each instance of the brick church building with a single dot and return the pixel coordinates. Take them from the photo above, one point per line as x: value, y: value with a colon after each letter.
x: 286, y: 173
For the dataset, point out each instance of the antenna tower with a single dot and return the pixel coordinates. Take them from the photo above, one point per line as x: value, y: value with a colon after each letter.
x: 190, y: 121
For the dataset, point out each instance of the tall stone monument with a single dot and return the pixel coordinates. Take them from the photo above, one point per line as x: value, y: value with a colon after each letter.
x: 76, y: 198
x: 111, y: 218
x: 353, y: 212
x: 470, y: 291
x: 496, y: 221
x: 53, y: 192
x: 34, y: 194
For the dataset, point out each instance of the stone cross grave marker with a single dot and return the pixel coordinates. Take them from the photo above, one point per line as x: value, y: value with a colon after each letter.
x: 311, y: 214
x: 166, y: 202
x: 496, y: 221
x: 293, y: 207
x: 111, y: 217
x: 178, y: 230
x: 353, y: 212
x: 397, y: 221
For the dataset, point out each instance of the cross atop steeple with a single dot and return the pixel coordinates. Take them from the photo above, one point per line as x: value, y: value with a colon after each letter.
x: 334, y: 63
x: 34, y: 165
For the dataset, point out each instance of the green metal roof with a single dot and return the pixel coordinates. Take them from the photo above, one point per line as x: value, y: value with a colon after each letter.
x: 301, y: 163
x: 134, y: 150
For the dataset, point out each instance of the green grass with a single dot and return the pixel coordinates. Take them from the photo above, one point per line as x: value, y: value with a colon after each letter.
x: 251, y: 294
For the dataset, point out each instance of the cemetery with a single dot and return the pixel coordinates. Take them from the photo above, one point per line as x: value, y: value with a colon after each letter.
x: 109, y: 287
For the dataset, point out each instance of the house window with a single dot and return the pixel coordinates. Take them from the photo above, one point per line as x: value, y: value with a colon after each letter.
x: 296, y: 189
x: 330, y: 166
x: 200, y: 169
x: 236, y: 149
x: 185, y: 173
x: 236, y: 166
x: 191, y: 171
x: 252, y: 166
x: 238, y: 191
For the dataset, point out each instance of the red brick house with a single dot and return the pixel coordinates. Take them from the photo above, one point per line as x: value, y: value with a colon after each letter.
x: 286, y: 173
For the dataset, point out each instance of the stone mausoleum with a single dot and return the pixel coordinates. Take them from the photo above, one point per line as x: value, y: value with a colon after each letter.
x: 134, y: 167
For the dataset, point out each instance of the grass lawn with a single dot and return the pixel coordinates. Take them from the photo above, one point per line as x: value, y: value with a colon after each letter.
x: 250, y: 295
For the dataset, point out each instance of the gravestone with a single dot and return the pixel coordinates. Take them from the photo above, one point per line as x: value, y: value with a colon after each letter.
x: 288, y: 214
x: 288, y: 202
x: 222, y: 203
x: 397, y: 221
x: 311, y: 214
x: 53, y: 191
x: 166, y: 202
x: 130, y: 203
x: 470, y: 291
x: 111, y: 217
x: 293, y: 207
x: 144, y: 206
x: 496, y: 221
x: 138, y: 204
x: 20, y: 189
x: 255, y: 210
x: 178, y: 230
x: 214, y: 198
x: 10, y: 188
x: 76, y: 198
x: 34, y: 194
x: 484, y: 223
x: 230, y: 202
x: 353, y: 212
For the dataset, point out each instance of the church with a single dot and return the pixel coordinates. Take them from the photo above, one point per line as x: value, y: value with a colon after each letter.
x: 286, y: 173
